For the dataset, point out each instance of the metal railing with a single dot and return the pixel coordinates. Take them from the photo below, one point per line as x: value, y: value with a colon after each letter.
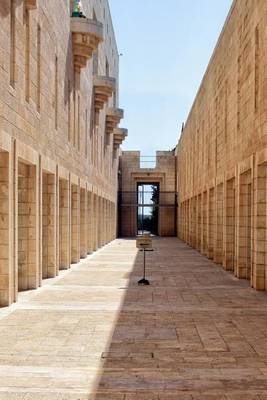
x: 148, y: 162
x: 132, y: 199
x: 135, y: 214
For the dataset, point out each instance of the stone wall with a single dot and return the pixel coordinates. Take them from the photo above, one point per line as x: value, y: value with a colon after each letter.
x: 58, y: 171
x: 222, y: 152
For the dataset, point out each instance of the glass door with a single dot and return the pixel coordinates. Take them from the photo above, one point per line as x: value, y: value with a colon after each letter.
x: 148, y: 208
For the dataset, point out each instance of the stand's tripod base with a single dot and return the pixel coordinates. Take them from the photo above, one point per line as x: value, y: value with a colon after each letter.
x: 143, y: 282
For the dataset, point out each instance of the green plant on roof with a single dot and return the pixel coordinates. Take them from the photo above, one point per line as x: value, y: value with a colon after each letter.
x: 77, y: 8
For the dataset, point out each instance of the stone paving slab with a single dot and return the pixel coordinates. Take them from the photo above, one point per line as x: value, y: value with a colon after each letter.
x: 197, y: 333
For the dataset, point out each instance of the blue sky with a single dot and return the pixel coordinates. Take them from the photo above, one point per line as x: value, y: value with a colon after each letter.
x: 166, y: 47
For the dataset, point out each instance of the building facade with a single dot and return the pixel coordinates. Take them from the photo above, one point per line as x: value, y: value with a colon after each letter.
x: 59, y: 138
x: 222, y: 153
x: 147, y: 188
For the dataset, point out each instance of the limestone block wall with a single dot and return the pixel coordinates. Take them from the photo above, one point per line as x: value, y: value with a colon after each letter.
x: 90, y: 222
x: 222, y: 152
x: 75, y: 219
x: 57, y: 168
x: 83, y: 223
x: 49, y: 260
x: 6, y: 273
x: 64, y: 224
x: 27, y: 227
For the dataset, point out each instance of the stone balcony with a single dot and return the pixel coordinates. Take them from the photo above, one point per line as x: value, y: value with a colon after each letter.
x: 30, y: 4
x: 113, y: 117
x: 104, y: 87
x: 120, y: 135
x: 86, y: 36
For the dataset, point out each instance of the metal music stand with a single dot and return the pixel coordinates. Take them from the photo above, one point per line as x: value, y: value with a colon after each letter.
x: 144, y: 243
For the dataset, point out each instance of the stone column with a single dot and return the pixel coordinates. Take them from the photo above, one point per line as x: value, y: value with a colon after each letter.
x: 101, y: 222
x: 96, y: 221
x: 211, y: 211
x: 199, y: 222
x: 229, y: 225
x: 83, y: 223
x: 244, y: 227
x: 109, y: 222
x: 75, y: 223
x: 28, y: 238
x: 218, y: 231
x: 185, y: 221
x: 259, y: 275
x: 6, y: 276
x: 90, y: 225
x: 49, y: 265
x: 64, y: 224
x: 204, y: 248
x: 106, y: 221
x: 189, y: 220
x: 194, y: 221
x: 114, y: 223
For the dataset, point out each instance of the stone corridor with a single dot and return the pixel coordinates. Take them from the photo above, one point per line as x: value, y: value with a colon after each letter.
x: 196, y: 333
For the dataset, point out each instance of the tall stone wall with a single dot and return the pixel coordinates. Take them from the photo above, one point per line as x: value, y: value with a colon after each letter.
x: 22, y: 118
x: 58, y: 163
x: 222, y: 152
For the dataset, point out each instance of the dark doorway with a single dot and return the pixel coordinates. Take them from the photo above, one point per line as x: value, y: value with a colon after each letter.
x: 148, y: 208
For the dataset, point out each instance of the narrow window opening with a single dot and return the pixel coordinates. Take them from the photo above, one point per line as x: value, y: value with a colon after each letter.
x: 86, y: 133
x: 69, y: 112
x: 238, y: 91
x: 27, y: 55
x: 226, y: 112
x: 56, y: 92
x: 257, y: 81
x: 74, y: 118
x: 38, y: 68
x: 12, y: 43
x: 78, y: 124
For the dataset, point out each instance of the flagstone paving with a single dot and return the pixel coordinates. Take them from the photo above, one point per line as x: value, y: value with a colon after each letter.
x: 196, y: 333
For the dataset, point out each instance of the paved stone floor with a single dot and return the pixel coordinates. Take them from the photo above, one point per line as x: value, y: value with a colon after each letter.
x: 196, y: 333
